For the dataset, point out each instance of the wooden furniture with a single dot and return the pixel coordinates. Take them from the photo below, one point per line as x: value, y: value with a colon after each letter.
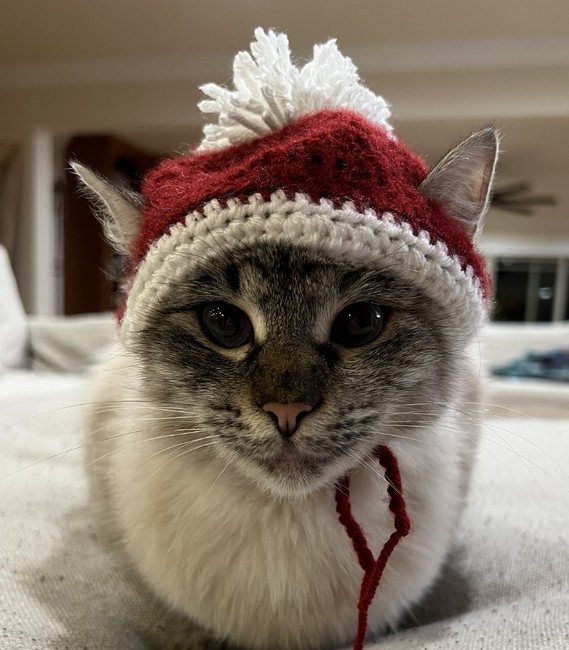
x: 91, y: 268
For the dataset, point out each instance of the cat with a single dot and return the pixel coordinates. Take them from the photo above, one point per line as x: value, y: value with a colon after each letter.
x: 261, y: 372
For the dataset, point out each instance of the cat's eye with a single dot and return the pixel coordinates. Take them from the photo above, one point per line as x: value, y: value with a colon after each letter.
x: 358, y: 324
x: 225, y: 324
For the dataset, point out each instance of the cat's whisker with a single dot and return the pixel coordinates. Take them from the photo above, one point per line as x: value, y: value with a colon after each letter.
x: 491, y: 407
x: 165, y: 418
x: 82, y: 445
x: 221, y: 473
x: 171, y: 413
x: 46, y: 459
x: 121, y: 436
x: 367, y: 461
x: 184, y: 443
x: 118, y: 449
x: 486, y: 407
x: 388, y: 434
x: 525, y: 459
x: 532, y: 444
x: 193, y: 257
x: 221, y: 251
x: 510, y: 447
x: 100, y: 457
x: 131, y: 431
x: 504, y: 445
x: 489, y: 452
x: 183, y: 453
x: 30, y: 418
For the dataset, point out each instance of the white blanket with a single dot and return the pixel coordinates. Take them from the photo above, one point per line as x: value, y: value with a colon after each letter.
x: 506, y: 584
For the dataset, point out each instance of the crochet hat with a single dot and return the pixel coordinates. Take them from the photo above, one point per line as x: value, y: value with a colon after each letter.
x: 306, y: 156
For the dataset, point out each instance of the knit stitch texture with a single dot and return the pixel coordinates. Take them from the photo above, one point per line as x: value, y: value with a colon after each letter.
x: 333, y: 154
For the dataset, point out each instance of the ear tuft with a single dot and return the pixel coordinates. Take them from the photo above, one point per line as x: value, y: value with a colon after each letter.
x: 462, y: 180
x: 117, y: 208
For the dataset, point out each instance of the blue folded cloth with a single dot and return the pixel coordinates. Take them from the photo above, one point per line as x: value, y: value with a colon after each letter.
x: 552, y: 365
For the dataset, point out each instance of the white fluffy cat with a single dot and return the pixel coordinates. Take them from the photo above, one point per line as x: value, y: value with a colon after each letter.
x: 269, y: 345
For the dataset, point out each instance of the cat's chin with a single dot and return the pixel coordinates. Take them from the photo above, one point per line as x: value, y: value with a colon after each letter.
x: 290, y: 474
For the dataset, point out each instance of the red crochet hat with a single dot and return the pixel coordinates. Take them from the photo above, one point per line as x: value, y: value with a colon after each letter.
x: 307, y: 156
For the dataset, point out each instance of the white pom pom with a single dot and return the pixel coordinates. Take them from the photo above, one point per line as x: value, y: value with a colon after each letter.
x: 270, y: 92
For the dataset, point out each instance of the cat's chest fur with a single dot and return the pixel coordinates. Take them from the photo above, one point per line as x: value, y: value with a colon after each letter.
x: 260, y: 570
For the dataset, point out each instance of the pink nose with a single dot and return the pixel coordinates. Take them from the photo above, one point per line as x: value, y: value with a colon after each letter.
x: 287, y: 415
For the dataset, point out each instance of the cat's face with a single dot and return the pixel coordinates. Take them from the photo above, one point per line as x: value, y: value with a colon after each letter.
x: 270, y: 325
x: 274, y: 333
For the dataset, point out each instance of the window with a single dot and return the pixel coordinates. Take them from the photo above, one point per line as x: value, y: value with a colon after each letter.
x: 531, y: 290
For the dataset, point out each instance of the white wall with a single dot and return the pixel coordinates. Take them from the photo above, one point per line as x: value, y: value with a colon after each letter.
x: 439, y: 91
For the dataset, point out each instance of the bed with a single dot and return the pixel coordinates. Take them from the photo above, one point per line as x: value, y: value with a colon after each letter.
x: 505, y: 585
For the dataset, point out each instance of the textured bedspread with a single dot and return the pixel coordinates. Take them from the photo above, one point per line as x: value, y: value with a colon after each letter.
x: 506, y: 584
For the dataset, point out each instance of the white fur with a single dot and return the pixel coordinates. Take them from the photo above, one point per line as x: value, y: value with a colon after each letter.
x: 268, y: 572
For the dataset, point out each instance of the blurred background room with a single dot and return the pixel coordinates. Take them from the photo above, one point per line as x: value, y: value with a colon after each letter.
x: 115, y: 85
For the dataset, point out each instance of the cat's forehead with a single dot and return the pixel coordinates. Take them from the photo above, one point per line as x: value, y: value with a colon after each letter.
x: 287, y: 261
x: 283, y: 268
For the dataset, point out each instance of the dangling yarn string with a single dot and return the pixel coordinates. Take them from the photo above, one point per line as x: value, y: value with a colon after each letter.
x: 373, y: 568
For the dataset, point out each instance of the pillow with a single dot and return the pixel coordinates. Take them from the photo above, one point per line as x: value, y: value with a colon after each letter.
x: 13, y: 323
x: 71, y: 343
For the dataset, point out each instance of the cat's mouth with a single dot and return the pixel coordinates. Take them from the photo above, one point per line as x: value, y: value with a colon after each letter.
x: 291, y: 471
x: 290, y: 461
x: 289, y: 467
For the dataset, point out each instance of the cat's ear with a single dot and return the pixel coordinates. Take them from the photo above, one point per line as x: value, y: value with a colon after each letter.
x: 462, y: 180
x: 117, y: 208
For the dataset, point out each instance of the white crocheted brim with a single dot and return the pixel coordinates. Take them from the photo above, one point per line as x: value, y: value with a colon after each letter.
x: 270, y: 92
x: 343, y: 234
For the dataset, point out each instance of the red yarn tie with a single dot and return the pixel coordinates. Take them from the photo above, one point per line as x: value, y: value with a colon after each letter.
x: 373, y: 568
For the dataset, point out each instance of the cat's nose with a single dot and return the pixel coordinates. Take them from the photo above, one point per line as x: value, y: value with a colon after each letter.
x: 287, y: 415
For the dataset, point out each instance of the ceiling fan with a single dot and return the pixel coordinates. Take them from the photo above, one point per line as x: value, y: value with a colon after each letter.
x: 517, y: 198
